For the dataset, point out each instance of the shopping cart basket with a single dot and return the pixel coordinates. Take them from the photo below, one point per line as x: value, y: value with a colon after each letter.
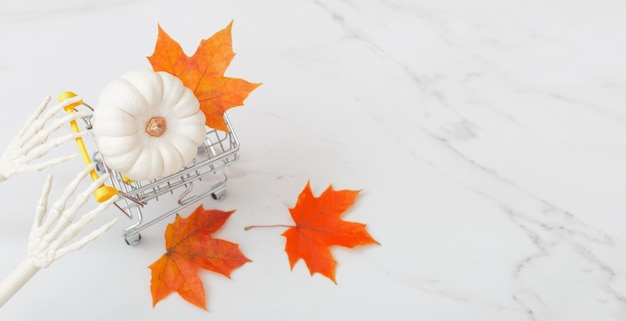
x: 218, y: 150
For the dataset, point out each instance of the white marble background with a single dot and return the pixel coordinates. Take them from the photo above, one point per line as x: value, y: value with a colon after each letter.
x: 489, y: 138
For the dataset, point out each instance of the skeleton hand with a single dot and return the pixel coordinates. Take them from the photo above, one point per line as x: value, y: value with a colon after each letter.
x: 54, y: 228
x: 31, y: 142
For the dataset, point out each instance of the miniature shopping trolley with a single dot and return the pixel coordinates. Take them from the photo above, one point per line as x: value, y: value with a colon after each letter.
x: 218, y: 150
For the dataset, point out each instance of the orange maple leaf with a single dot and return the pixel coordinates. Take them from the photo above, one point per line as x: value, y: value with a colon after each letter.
x: 318, y: 226
x: 203, y: 73
x: 190, y: 247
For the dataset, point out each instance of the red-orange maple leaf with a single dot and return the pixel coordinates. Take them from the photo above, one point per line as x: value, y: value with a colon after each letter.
x: 203, y: 73
x: 190, y: 247
x: 318, y: 226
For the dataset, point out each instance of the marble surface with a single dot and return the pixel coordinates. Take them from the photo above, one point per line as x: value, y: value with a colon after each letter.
x: 488, y: 137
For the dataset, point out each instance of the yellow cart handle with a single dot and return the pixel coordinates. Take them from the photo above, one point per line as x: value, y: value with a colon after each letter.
x: 104, y: 192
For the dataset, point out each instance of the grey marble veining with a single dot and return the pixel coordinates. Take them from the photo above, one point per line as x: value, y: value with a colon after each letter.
x: 488, y: 138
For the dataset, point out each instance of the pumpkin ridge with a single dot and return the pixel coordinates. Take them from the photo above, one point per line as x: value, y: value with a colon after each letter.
x: 170, y: 151
x: 162, y: 161
x: 186, y: 106
x: 162, y: 86
x: 137, y: 91
x: 189, y: 118
x: 190, y: 141
x: 182, y: 93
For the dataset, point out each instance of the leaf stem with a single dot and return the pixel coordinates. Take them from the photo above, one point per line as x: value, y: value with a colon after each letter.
x: 263, y: 226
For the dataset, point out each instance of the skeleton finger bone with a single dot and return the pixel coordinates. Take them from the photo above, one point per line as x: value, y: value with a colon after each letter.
x: 45, y: 164
x: 42, y: 150
x: 77, y: 227
x: 42, y: 205
x: 35, y: 125
x: 32, y: 140
x: 59, y: 205
x: 42, y: 135
x: 34, y: 116
x: 68, y: 215
x: 79, y: 244
x: 45, y: 246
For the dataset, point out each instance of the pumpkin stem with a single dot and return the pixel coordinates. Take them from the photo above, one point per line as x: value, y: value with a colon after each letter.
x: 156, y: 126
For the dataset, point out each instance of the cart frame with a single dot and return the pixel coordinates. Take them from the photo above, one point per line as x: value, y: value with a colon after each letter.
x: 218, y: 150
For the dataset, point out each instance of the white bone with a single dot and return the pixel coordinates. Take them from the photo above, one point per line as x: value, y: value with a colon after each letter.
x: 16, y: 280
x: 54, y: 229
x: 32, y: 141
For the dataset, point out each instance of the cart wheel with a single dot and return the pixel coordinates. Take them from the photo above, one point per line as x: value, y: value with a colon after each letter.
x: 99, y: 167
x: 134, y: 240
x: 219, y: 195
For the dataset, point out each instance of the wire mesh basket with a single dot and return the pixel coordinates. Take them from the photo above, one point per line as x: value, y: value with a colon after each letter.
x: 218, y: 150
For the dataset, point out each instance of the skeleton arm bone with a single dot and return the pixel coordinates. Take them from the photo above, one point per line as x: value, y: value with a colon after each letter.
x: 52, y: 230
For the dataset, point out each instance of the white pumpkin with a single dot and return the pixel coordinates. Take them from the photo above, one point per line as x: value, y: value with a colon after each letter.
x: 148, y: 125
